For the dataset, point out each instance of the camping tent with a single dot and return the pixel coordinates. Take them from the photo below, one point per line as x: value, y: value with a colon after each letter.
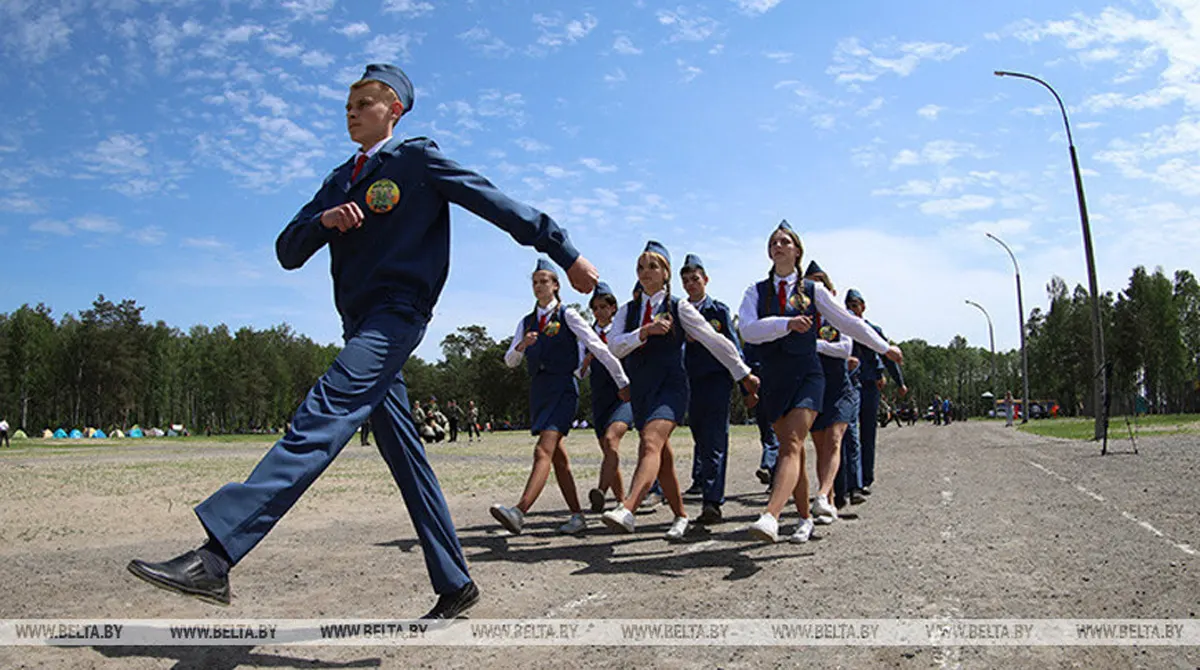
x: 20, y: 435
x: 60, y: 434
x: 98, y: 434
x: 76, y: 434
x: 118, y: 434
x: 155, y: 432
x: 46, y: 434
x: 136, y: 432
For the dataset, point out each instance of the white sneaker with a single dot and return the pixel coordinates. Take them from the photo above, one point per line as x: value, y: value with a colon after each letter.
x: 618, y: 519
x: 510, y: 517
x: 576, y: 524
x: 678, y: 528
x: 651, y: 501
x: 803, y: 532
x: 765, y: 529
x: 823, y: 512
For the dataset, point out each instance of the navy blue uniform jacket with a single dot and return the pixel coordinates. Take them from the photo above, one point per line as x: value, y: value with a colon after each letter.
x: 401, y: 257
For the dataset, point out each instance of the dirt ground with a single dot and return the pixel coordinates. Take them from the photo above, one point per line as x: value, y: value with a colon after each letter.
x: 967, y: 521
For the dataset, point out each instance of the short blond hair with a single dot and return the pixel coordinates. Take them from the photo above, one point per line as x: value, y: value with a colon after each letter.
x: 386, y: 93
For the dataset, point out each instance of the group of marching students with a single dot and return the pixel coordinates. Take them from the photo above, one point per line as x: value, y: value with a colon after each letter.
x: 810, y: 366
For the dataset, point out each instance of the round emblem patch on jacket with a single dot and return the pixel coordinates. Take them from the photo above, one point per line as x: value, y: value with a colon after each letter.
x: 828, y: 333
x: 799, y: 301
x: 382, y: 196
x: 552, y: 329
x: 716, y: 324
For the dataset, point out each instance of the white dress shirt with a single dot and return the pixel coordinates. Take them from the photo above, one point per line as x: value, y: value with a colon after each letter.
x: 693, y: 324
x: 756, y: 331
x: 583, y: 333
x: 841, y: 348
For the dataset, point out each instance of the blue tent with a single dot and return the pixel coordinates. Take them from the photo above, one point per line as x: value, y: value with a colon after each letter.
x: 99, y: 433
x: 76, y: 434
x: 136, y: 432
x: 60, y: 434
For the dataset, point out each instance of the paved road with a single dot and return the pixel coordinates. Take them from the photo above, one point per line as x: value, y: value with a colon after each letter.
x: 967, y: 521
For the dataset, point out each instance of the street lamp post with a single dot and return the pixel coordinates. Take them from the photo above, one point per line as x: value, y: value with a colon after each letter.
x: 1021, y: 321
x: 1097, y: 331
x: 991, y: 341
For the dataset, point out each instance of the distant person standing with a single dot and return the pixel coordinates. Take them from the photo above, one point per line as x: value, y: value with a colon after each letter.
x: 473, y: 422
x: 455, y: 414
x: 1008, y: 409
x: 4, y: 432
x: 364, y: 433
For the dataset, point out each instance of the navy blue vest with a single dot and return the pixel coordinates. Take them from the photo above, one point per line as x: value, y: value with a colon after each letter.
x: 604, y: 387
x: 556, y: 350
x: 802, y: 301
x: 868, y: 358
x: 660, y: 351
x: 698, y: 360
x: 834, y: 367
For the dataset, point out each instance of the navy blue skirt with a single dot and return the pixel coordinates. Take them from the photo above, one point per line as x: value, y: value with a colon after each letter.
x: 659, y: 396
x: 608, y: 413
x: 789, y: 385
x: 553, y: 400
x: 838, y: 406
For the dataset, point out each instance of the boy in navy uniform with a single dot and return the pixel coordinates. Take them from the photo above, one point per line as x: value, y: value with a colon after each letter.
x: 708, y: 403
x: 385, y: 215
x: 873, y: 381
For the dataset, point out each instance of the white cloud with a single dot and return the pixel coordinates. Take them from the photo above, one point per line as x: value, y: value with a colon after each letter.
x: 756, y: 7
x: 314, y: 10
x: 781, y: 57
x: 51, y: 227
x: 555, y: 32
x: 352, y: 30
x: 35, y: 35
x: 854, y: 64
x: 1002, y: 228
x: 20, y: 204
x: 687, y: 28
x: 917, y: 187
x: 409, y: 8
x: 482, y: 40
x: 930, y: 112
x: 558, y: 172
x: 952, y: 207
x: 596, y: 165
x: 623, y: 45
x: 615, y: 77
x: 936, y: 152
x: 316, y: 58
x: 388, y: 48
x: 688, y: 71
x: 94, y: 223
x: 202, y: 243
x: 824, y: 121
x: 530, y: 144
x: 149, y: 235
x: 871, y: 107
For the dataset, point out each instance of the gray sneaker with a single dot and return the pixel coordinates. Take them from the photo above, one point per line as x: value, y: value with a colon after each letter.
x: 510, y: 517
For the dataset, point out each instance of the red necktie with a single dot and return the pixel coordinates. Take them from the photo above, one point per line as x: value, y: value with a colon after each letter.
x: 542, y: 321
x: 782, y: 296
x: 358, y: 165
x: 604, y: 337
x: 646, y: 314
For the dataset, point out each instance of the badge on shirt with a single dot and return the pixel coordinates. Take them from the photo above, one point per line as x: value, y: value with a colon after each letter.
x: 552, y: 329
x: 382, y: 196
x: 828, y: 333
x: 799, y: 301
x: 716, y: 324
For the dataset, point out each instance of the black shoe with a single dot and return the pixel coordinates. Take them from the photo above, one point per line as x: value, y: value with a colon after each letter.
x: 186, y: 575
x: 710, y: 515
x: 694, y: 491
x: 596, y: 497
x: 856, y: 498
x: 452, y: 605
x: 839, y: 501
x: 866, y: 490
x: 764, y: 476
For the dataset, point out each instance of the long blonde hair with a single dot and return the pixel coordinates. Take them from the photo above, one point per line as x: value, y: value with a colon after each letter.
x: 795, y: 240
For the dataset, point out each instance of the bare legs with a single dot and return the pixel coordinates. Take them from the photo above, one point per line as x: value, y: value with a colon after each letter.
x: 655, y: 460
x: 791, y: 480
x: 610, y: 468
x: 549, y: 452
x: 829, y: 456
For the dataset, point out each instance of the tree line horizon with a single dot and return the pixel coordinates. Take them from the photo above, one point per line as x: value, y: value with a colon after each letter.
x: 106, y: 368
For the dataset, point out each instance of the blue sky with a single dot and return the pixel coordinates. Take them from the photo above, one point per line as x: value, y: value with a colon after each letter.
x: 154, y: 150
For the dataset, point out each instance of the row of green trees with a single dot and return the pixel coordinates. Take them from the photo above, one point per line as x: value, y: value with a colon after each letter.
x: 106, y: 367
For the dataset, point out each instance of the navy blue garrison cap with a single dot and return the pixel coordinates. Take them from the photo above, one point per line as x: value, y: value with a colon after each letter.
x: 395, y: 79
x: 853, y: 295
x: 784, y: 225
x: 659, y: 249
x: 602, y: 290
x: 813, y: 269
x: 692, y: 261
x: 546, y: 265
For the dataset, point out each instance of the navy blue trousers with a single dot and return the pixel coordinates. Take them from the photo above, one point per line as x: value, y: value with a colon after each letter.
x: 365, y: 380
x: 768, y: 438
x: 868, y: 425
x: 849, y: 476
x: 708, y: 417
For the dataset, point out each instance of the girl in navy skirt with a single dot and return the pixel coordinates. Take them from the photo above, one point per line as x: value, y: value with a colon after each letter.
x: 612, y: 415
x: 548, y: 340
x: 834, y: 349
x: 650, y: 332
x: 783, y: 314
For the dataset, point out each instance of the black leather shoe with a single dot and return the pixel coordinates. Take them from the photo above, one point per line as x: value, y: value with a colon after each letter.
x: 186, y: 575
x: 452, y: 605
x: 764, y: 476
x: 710, y: 515
x: 596, y: 498
x: 694, y: 491
x: 866, y: 490
x: 857, y: 498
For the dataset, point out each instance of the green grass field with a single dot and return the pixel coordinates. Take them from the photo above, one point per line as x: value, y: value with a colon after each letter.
x: 1082, y: 428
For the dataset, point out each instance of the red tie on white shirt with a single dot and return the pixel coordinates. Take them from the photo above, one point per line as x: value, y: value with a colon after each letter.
x: 646, y: 314
x: 604, y: 337
x: 782, y: 296
x: 358, y: 166
x: 542, y: 322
